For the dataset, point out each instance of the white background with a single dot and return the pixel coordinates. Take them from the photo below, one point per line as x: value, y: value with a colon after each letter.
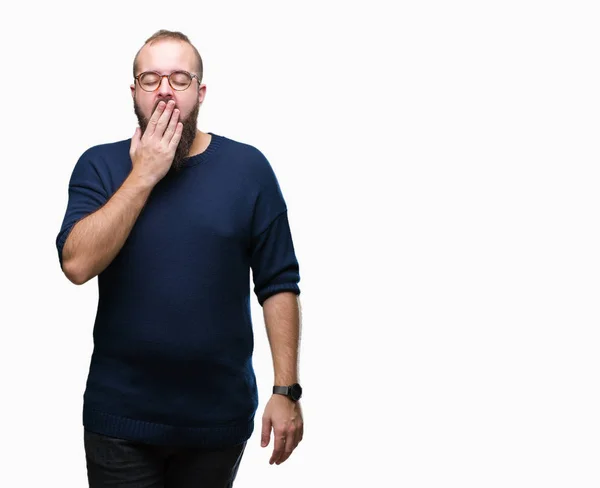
x: 440, y: 165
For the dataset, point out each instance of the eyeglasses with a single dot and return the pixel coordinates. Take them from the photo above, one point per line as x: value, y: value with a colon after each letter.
x: 179, y: 80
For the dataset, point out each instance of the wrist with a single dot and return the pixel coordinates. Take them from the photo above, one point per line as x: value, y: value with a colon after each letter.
x: 141, y: 182
x: 292, y: 391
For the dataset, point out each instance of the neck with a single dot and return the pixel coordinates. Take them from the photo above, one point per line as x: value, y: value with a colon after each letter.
x: 201, y: 142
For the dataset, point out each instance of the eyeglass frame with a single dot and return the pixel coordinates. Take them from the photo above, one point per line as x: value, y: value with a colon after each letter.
x: 168, y: 77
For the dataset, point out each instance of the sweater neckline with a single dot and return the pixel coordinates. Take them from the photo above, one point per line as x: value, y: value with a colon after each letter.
x: 213, y: 147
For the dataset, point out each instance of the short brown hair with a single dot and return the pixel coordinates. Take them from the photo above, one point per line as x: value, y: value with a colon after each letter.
x: 178, y: 36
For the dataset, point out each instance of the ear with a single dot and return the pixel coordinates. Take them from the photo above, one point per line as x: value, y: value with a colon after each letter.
x: 201, y: 93
x: 132, y: 87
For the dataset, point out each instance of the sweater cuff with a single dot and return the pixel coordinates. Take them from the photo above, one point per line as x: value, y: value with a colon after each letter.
x: 274, y: 289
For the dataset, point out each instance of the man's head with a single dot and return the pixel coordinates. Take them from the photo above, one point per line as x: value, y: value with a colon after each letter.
x: 164, y: 53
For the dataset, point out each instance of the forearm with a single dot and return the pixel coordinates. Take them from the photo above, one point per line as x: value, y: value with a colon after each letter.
x: 96, y: 239
x: 282, y: 314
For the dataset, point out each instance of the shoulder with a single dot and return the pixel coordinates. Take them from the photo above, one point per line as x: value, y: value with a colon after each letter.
x: 105, y: 160
x: 248, y: 159
x: 107, y: 150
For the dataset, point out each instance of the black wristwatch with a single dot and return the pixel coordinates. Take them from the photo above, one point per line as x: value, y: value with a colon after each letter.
x: 293, y: 392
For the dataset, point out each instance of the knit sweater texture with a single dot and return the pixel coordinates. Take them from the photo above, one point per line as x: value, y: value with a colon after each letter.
x: 173, y: 334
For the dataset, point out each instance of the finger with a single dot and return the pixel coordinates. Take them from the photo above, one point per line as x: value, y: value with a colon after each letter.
x: 279, y: 442
x: 154, y: 119
x: 290, y: 445
x: 297, y: 437
x: 266, y: 432
x: 176, y: 137
x: 163, y: 120
x: 135, y: 140
x: 172, y: 126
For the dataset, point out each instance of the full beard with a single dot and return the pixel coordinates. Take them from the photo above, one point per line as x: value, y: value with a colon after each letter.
x: 190, y: 126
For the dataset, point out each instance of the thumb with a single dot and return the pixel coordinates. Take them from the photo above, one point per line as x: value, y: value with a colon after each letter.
x: 266, y: 432
x: 135, y: 139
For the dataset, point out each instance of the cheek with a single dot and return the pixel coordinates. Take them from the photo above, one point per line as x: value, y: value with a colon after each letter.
x: 144, y: 106
x: 184, y: 114
x: 185, y: 106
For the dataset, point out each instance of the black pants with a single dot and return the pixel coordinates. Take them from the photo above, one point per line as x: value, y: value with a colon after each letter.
x: 119, y: 463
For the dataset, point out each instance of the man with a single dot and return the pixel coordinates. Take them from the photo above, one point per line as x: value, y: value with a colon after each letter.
x: 172, y: 221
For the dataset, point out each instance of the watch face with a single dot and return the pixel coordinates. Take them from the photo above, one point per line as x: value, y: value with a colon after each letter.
x: 296, y: 391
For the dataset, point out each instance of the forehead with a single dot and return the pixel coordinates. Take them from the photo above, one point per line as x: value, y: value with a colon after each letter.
x: 165, y: 56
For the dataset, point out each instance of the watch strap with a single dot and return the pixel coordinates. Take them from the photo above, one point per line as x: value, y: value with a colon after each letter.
x: 281, y: 390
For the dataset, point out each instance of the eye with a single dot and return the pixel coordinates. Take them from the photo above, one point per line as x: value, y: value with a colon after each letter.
x: 181, y: 79
x: 148, y: 78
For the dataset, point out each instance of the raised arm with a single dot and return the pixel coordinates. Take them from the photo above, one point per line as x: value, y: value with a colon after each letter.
x: 95, y: 239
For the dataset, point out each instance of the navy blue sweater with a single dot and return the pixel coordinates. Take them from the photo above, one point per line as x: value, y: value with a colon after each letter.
x: 173, y: 338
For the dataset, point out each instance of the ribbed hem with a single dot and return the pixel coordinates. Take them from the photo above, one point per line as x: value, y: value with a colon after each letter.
x: 60, y: 244
x: 166, y: 435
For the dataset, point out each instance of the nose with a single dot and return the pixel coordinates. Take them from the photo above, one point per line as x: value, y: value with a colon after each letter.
x: 164, y: 89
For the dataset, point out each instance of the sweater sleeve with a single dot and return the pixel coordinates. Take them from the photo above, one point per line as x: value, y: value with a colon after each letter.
x: 274, y: 264
x: 86, y: 194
